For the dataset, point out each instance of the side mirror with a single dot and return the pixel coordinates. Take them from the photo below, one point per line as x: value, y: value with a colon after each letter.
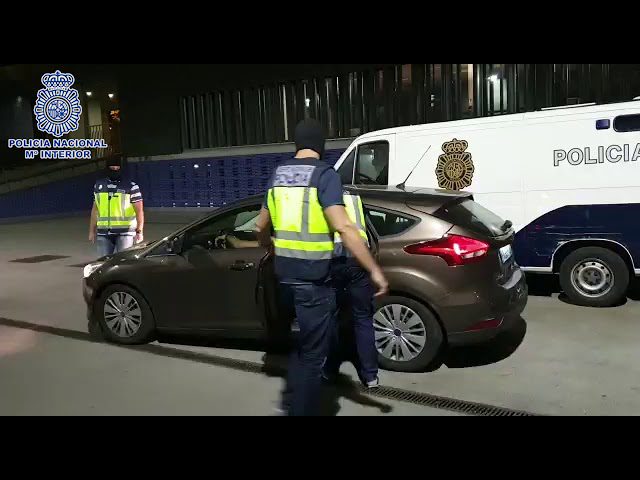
x: 175, y: 245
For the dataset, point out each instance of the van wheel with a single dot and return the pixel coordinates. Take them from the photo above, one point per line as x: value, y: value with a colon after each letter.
x: 124, y: 316
x: 408, y: 335
x: 594, y: 277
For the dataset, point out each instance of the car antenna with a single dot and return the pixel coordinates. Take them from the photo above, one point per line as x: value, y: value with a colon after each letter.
x: 403, y: 184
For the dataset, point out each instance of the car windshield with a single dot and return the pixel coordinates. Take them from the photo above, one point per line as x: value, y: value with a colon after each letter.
x: 469, y: 214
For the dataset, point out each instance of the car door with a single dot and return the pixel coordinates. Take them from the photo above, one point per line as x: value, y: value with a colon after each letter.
x: 227, y: 271
x: 216, y: 274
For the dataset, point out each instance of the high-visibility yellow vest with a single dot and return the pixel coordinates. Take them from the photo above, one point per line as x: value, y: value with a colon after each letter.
x: 301, y: 230
x: 115, y: 212
x: 355, y: 211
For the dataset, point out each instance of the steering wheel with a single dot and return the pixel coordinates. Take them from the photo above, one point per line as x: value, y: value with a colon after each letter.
x: 220, y: 241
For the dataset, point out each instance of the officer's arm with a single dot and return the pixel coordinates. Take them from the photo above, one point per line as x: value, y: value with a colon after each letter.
x: 139, y: 208
x: 263, y: 228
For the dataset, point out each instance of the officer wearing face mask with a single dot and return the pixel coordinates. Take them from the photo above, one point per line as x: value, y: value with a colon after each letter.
x: 117, y: 216
x: 305, y: 206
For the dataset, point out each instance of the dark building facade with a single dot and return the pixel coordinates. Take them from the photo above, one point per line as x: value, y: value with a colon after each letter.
x: 173, y: 108
x: 170, y: 109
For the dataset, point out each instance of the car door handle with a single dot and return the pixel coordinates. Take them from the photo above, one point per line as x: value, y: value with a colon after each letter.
x: 241, y: 266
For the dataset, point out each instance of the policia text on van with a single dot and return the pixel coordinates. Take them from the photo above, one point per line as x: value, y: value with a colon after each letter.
x: 588, y: 155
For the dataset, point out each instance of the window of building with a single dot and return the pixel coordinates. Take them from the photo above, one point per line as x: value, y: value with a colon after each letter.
x: 466, y: 90
x: 372, y: 166
x: 351, y: 103
x: 496, y: 100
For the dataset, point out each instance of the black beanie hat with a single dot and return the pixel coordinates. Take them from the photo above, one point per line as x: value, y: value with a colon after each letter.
x: 114, y: 161
x: 309, y: 134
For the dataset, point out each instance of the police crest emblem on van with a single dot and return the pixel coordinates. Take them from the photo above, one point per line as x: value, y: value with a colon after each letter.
x: 455, y: 167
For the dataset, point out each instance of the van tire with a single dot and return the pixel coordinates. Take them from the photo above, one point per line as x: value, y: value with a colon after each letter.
x: 596, y: 263
x: 432, y: 329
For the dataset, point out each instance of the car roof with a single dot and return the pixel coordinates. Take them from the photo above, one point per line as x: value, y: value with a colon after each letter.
x: 433, y: 198
x: 413, y: 195
x: 406, y: 194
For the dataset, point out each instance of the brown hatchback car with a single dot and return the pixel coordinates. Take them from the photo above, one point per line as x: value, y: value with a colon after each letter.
x: 452, y: 275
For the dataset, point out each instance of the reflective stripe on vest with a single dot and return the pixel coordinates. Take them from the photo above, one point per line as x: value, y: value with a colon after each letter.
x: 355, y: 211
x: 301, y: 230
x: 115, y: 211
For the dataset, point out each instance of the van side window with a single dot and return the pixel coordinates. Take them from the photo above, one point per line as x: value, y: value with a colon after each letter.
x: 627, y: 123
x: 346, y: 169
x: 372, y: 166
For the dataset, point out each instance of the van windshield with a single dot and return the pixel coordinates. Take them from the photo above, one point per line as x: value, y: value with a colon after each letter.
x: 471, y: 215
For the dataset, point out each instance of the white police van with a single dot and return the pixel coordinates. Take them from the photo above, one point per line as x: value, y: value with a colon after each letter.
x: 568, y: 178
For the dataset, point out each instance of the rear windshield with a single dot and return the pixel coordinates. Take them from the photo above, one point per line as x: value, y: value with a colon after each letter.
x: 473, y: 216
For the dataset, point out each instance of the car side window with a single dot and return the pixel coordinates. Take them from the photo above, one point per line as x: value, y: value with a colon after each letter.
x: 388, y: 223
x: 235, y: 229
x: 346, y: 169
x: 372, y: 164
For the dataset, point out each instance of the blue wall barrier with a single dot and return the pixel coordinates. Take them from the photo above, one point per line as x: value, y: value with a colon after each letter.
x: 201, y: 182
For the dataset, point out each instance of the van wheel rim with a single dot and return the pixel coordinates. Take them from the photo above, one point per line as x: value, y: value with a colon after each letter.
x: 122, y: 314
x: 592, y: 278
x: 400, y: 333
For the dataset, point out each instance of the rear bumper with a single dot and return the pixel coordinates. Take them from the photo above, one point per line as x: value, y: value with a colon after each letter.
x: 485, y: 328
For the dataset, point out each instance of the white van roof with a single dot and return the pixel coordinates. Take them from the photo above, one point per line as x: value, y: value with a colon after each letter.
x: 560, y: 111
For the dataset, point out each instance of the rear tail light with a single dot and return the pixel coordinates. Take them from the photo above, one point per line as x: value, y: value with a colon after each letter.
x: 453, y: 249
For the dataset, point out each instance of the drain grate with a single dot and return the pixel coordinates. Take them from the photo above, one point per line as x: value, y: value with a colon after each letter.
x: 443, y: 403
x: 39, y: 259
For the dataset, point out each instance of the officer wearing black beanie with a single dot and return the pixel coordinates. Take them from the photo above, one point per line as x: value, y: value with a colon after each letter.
x: 304, y: 205
x: 117, y: 216
x: 309, y: 135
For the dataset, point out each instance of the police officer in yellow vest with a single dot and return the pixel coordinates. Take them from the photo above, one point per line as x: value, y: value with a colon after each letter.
x: 304, y: 204
x: 117, y: 216
x: 354, y: 294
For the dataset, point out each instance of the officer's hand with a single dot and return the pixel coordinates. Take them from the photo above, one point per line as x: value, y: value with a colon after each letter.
x: 139, y: 237
x: 92, y: 236
x: 379, y: 280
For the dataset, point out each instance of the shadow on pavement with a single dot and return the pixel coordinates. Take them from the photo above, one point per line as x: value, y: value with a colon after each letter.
x: 494, y: 351
x: 541, y: 285
x: 275, y: 365
x: 634, y: 290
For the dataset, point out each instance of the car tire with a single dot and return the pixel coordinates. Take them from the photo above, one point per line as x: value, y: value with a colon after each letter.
x: 419, y: 321
x: 587, y: 268
x: 139, y: 326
